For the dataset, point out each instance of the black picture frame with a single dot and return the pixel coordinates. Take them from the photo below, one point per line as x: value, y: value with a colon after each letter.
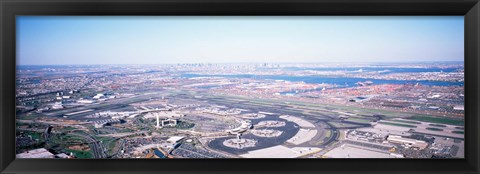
x: 470, y: 9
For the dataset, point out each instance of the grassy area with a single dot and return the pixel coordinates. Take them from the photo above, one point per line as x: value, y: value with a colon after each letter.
x: 398, y: 124
x: 109, y: 142
x: 111, y: 146
x: 441, y: 120
x: 73, y: 137
x: 316, y: 107
x: 66, y: 129
x: 34, y: 145
x: 437, y: 125
x: 30, y: 116
x: 328, y: 134
x: 34, y: 135
x: 292, y: 110
x: 124, y: 130
x: 368, y: 111
x: 405, y: 121
x: 20, y: 124
x: 342, y: 125
x: 296, y: 107
x: 104, y: 139
x: 434, y: 129
x: 80, y: 154
x: 458, y: 132
x: 260, y: 102
x: 264, y: 103
x: 324, y: 112
x: 358, y: 120
x: 64, y: 140
x: 184, y: 125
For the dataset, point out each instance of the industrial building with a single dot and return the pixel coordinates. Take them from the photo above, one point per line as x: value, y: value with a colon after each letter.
x: 102, y: 123
x: 407, y: 141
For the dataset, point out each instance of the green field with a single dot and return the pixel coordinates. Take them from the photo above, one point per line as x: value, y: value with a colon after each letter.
x: 34, y: 135
x: 20, y: 124
x: 342, y: 125
x: 184, y: 125
x: 328, y: 134
x: 36, y: 144
x: 80, y: 154
x: 437, y: 125
x: 69, y: 137
x: 440, y: 120
x: 434, y: 129
x: 405, y: 121
x: 458, y: 132
x: 358, y: 120
x: 398, y: 124
x: 64, y: 140
x: 29, y: 116
x: 111, y: 146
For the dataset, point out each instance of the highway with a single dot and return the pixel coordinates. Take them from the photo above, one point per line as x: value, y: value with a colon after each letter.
x: 118, y: 147
x: 97, y: 147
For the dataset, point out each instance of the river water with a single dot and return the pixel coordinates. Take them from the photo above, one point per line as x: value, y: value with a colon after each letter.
x: 342, y: 81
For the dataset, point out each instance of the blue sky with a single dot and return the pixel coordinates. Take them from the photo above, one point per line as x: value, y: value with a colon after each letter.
x: 63, y: 40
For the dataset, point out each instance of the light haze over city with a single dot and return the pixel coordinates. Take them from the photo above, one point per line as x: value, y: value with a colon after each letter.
x: 61, y: 40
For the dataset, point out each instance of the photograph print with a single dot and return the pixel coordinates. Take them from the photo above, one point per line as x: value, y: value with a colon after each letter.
x: 240, y: 87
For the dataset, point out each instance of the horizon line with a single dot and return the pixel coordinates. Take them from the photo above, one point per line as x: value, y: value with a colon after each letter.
x: 367, y: 62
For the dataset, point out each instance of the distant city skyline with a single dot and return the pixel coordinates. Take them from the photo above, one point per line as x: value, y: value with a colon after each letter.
x: 62, y: 40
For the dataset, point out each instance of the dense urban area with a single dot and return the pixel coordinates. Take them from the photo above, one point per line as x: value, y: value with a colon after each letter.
x: 261, y: 110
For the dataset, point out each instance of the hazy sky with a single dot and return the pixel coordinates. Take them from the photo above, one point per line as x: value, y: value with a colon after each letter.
x: 55, y: 40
